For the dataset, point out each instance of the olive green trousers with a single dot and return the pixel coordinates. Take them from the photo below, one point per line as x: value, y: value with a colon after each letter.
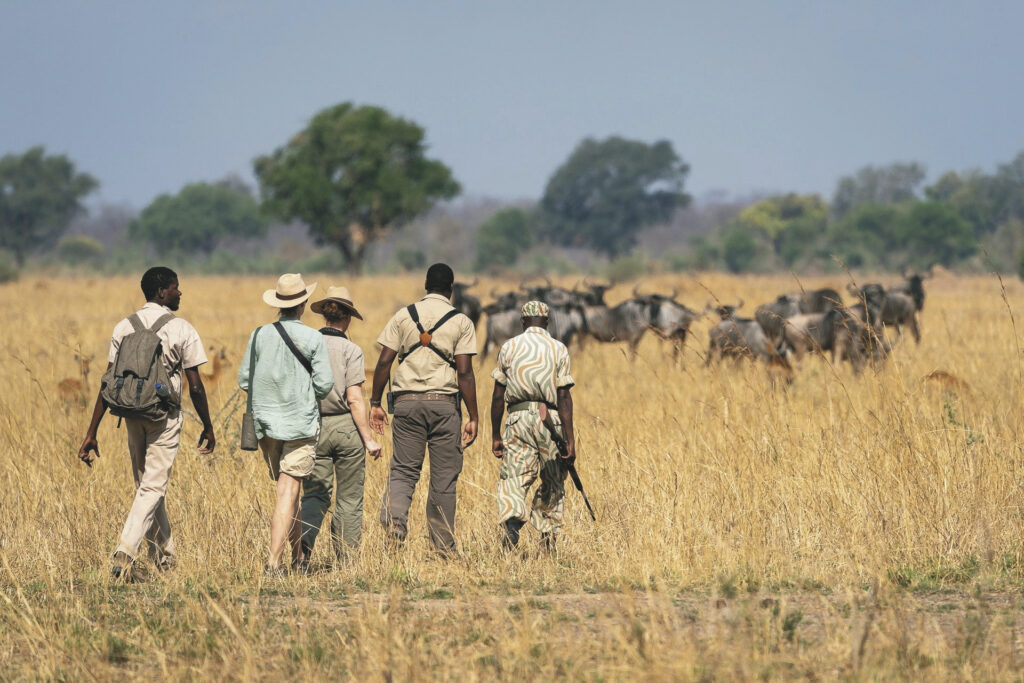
x: 340, y: 468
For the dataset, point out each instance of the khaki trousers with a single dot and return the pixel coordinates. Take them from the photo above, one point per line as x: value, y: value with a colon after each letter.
x: 417, y: 425
x: 152, y: 447
x: 340, y: 460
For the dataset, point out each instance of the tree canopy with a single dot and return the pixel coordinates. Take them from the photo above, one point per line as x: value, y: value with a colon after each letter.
x: 351, y: 175
x: 39, y: 195
x: 608, y: 190
x: 502, y: 238
x: 890, y: 184
x: 197, y: 218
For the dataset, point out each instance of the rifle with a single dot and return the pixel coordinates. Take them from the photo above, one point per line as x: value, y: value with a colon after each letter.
x: 563, y: 449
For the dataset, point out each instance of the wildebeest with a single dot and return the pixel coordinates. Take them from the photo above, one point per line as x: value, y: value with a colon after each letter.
x: 772, y: 316
x: 670, y: 320
x: 465, y: 303
x: 839, y: 331
x: 913, y: 286
x: 899, y: 310
x: 818, y: 300
x: 736, y: 337
x: 565, y: 321
x: 503, y: 319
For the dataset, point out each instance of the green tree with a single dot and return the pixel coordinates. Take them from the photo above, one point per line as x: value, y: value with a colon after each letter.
x: 793, y: 224
x: 608, y: 190
x: 197, y: 218
x: 739, y: 248
x: 933, y: 232
x: 351, y: 175
x: 39, y: 195
x: 502, y: 238
x: 890, y: 184
x: 867, y: 235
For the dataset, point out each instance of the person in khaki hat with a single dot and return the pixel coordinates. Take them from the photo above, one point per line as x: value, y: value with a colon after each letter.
x: 286, y: 369
x: 434, y: 345
x: 345, y: 436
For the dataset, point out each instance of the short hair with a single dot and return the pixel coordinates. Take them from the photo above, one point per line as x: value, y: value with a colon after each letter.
x: 155, y: 279
x: 440, y: 278
x: 291, y: 311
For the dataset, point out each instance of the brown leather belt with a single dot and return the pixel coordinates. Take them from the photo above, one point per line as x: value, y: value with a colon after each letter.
x: 347, y: 412
x: 426, y: 396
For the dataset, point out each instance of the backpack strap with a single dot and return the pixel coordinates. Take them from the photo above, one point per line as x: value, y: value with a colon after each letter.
x: 136, y: 322
x: 427, y: 335
x: 291, y: 345
x: 159, y: 322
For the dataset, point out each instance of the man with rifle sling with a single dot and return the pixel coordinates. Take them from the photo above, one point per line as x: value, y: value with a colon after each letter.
x: 532, y: 376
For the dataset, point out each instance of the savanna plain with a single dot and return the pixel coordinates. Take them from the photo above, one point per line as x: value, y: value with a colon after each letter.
x: 839, y: 526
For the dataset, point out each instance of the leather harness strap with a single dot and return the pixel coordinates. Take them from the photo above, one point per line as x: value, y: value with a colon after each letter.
x: 427, y: 335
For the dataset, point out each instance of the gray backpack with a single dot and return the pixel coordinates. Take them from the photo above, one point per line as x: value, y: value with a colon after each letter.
x: 138, y: 385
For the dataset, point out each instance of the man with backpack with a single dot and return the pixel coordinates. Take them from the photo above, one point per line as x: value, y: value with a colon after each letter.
x: 149, y: 352
x: 435, y: 345
x: 285, y: 371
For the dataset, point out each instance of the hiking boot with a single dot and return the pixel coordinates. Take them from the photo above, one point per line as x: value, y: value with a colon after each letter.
x: 512, y: 529
x: 125, y: 569
x: 547, y: 543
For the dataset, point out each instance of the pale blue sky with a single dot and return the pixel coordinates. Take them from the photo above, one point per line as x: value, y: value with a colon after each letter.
x: 756, y: 96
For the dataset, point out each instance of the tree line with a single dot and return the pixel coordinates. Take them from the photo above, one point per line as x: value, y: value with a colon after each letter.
x: 356, y: 175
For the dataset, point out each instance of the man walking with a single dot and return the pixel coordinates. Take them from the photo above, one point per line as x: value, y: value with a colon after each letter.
x: 435, y: 346
x: 285, y: 370
x: 532, y: 377
x: 345, y: 435
x: 153, y: 443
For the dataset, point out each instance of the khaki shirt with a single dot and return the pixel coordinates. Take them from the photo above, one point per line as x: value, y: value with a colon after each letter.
x: 182, y: 347
x: 423, y: 370
x: 533, y: 366
x: 349, y: 370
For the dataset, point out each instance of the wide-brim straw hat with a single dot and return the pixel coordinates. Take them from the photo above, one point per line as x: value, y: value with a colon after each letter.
x: 340, y: 296
x: 291, y: 291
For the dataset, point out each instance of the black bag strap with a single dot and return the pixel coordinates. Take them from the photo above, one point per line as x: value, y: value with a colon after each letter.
x: 291, y: 345
x: 426, y: 335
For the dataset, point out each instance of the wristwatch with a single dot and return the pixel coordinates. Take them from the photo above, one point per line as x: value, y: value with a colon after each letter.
x: 375, y: 403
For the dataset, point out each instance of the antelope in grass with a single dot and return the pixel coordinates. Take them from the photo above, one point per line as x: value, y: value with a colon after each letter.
x: 218, y: 363
x: 73, y: 390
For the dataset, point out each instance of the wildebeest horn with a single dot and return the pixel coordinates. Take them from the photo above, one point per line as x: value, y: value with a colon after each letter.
x: 903, y: 272
x: 739, y: 303
x: 473, y: 283
x: 548, y: 281
x: 675, y: 293
x: 636, y: 291
x: 493, y: 295
x: 852, y: 289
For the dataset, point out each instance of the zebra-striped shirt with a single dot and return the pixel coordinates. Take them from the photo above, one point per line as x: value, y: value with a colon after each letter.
x: 533, y: 366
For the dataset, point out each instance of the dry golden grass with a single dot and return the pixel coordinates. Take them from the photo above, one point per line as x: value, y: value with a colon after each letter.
x: 856, y: 526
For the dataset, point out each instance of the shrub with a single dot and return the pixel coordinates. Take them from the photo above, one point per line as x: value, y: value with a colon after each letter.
x: 80, y: 250
x: 8, y: 268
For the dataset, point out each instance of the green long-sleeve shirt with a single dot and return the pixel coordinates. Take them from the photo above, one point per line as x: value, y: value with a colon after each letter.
x: 284, y: 395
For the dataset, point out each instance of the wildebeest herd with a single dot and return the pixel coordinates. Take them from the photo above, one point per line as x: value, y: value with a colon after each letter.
x: 782, y: 330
